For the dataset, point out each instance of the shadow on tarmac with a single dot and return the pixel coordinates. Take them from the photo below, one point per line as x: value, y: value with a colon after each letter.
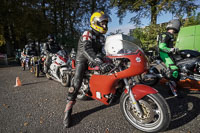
x: 184, y: 109
x: 79, y: 116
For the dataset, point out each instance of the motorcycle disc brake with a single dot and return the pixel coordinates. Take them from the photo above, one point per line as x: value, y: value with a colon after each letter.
x: 148, y: 113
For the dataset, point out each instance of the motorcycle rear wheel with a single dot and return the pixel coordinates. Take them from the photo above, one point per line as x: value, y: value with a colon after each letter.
x: 48, y: 76
x: 156, y: 111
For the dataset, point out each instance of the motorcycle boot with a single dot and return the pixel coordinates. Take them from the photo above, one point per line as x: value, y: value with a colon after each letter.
x: 68, y: 112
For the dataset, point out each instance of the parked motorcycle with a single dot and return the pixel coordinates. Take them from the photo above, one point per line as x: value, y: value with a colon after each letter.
x: 25, y: 62
x: 36, y: 65
x: 59, y: 67
x: 142, y: 106
x: 188, y: 62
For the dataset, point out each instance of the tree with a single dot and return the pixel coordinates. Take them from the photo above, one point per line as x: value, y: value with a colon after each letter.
x: 193, y: 20
x: 36, y: 19
x: 152, y: 8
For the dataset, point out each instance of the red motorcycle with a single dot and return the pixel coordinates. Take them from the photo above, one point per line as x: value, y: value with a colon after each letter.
x: 142, y: 106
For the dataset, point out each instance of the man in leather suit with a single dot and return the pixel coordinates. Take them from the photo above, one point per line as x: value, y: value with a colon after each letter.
x: 31, y: 49
x: 50, y: 47
x: 89, y: 46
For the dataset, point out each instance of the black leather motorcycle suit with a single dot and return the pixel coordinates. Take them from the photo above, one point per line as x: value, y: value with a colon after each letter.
x: 50, y: 47
x: 90, y: 44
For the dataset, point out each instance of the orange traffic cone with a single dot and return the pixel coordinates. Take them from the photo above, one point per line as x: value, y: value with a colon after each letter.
x: 18, y: 82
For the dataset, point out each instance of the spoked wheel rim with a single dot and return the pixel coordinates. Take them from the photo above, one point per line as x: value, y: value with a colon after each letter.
x: 151, y: 109
x: 65, y: 79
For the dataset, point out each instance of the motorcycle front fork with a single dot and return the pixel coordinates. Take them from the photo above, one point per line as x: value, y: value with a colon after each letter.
x: 135, y: 103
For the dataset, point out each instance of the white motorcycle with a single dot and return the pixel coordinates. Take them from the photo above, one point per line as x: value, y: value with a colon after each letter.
x: 59, y: 68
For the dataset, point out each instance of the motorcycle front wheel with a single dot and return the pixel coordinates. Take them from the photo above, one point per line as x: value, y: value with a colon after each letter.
x: 65, y: 79
x: 156, y: 113
x: 48, y: 76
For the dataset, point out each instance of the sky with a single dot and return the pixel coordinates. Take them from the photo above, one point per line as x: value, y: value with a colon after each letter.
x: 125, y: 26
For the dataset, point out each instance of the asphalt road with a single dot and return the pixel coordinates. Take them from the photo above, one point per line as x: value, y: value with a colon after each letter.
x: 38, y: 106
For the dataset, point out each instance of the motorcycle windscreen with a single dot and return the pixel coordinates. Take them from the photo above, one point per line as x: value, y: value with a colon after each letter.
x: 62, y: 55
x: 117, y: 45
x: 122, y: 46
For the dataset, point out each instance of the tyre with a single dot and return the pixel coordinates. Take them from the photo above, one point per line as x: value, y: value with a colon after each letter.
x: 23, y: 65
x: 37, y: 70
x: 28, y: 65
x: 32, y: 70
x: 65, y: 79
x: 148, y: 78
x: 156, y: 111
x: 48, y: 76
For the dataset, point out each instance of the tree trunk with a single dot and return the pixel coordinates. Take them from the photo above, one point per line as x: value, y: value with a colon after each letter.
x: 13, y: 37
x: 8, y: 40
x: 154, y: 13
x: 55, y: 19
x: 93, y: 4
x: 43, y: 8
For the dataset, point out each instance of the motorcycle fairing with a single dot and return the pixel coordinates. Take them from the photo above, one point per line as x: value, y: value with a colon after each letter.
x: 102, y: 85
x: 138, y: 65
x: 141, y: 90
x: 62, y: 58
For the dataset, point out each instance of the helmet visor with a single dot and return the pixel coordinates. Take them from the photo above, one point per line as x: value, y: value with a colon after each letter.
x: 105, y: 17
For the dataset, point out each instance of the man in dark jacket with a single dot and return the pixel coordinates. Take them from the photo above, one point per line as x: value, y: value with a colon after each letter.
x: 30, y: 48
x: 50, y: 47
x: 90, y: 45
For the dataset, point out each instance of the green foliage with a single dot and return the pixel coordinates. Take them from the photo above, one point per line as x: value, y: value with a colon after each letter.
x: 153, y: 8
x: 21, y: 20
x: 148, y: 34
x: 193, y: 20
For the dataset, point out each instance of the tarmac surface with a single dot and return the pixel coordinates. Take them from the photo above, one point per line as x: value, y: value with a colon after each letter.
x: 38, y: 107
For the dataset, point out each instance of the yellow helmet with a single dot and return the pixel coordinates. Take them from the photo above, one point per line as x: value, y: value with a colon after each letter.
x: 98, y: 22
